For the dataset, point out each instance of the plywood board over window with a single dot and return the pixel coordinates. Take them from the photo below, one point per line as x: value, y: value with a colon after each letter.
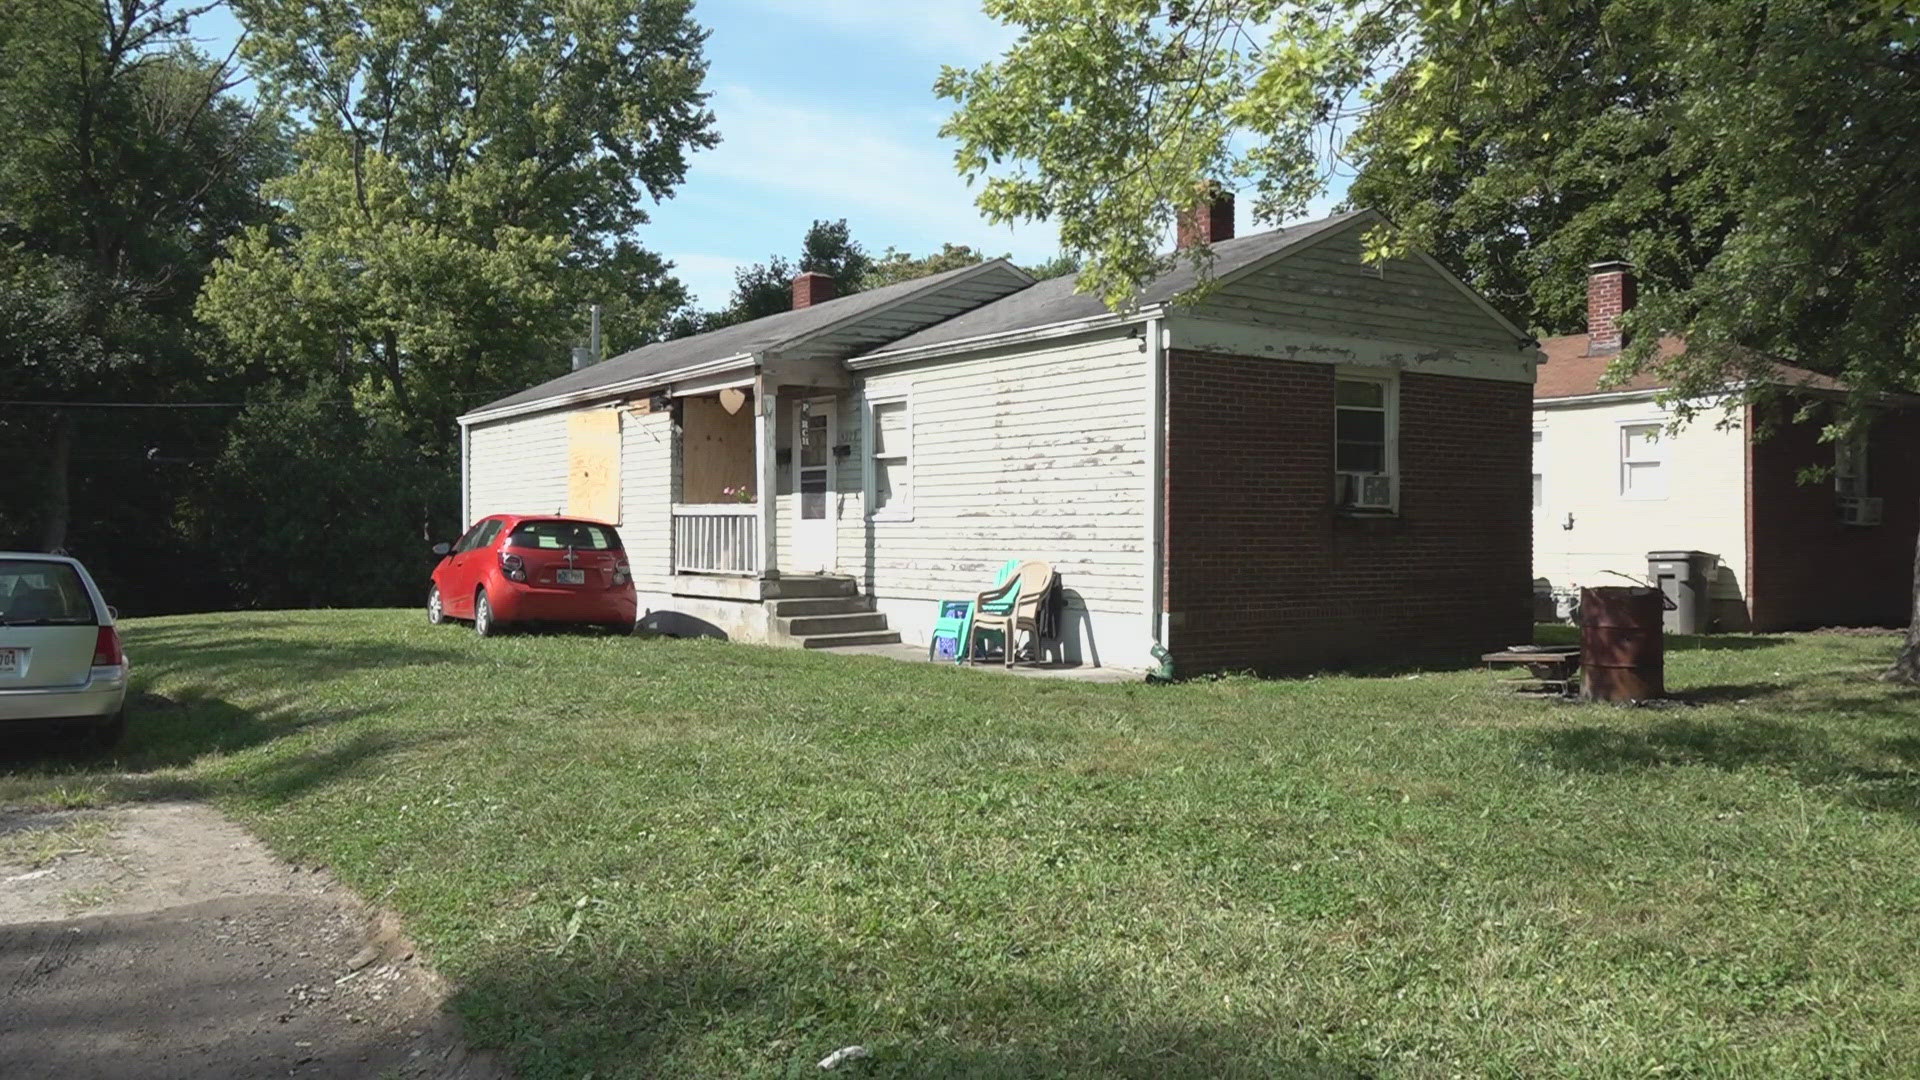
x: 593, y: 465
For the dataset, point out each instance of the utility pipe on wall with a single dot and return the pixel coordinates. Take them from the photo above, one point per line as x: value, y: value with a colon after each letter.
x: 1156, y: 481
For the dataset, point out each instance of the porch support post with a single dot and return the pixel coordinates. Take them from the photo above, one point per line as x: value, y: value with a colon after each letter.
x: 766, y: 422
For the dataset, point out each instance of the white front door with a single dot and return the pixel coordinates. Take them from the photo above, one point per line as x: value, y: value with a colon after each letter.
x: 815, y: 517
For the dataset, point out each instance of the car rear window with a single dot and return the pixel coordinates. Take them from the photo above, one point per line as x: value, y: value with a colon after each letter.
x: 555, y: 535
x: 43, y: 592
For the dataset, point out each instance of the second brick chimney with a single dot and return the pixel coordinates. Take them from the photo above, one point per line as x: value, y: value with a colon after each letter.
x: 810, y: 288
x: 1609, y: 296
x: 1207, y: 222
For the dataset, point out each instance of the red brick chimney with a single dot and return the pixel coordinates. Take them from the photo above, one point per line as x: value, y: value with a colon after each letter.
x: 1609, y: 296
x: 1207, y: 222
x: 810, y: 288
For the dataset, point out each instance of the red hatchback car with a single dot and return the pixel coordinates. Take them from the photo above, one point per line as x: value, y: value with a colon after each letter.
x: 511, y: 568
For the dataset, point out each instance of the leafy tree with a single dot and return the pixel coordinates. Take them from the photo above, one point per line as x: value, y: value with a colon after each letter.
x: 329, y: 505
x: 766, y: 288
x: 1598, y: 135
x: 125, y: 163
x: 1062, y: 264
x: 1754, y: 158
x: 829, y: 248
x: 759, y: 290
x: 896, y: 266
x: 468, y: 185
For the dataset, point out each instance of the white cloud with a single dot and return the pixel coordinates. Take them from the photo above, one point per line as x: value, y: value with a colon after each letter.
x: 893, y: 181
x: 708, y: 277
x: 954, y: 31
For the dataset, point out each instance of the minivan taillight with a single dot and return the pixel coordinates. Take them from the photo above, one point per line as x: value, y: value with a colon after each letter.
x: 514, y: 565
x: 106, y: 648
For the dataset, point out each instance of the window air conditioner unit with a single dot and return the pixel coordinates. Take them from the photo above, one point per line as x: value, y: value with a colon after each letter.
x: 1859, y: 510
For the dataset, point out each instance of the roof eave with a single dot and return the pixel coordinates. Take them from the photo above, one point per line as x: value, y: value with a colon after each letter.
x: 614, y: 389
x: 908, y: 297
x: 1005, y: 338
x: 1599, y: 398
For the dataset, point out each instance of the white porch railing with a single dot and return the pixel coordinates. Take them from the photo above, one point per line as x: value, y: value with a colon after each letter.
x: 721, y: 538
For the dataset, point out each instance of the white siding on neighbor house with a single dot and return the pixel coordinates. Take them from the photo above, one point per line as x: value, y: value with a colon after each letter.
x: 1579, y: 461
x: 518, y: 466
x: 1327, y: 288
x: 1035, y: 454
x: 647, y: 484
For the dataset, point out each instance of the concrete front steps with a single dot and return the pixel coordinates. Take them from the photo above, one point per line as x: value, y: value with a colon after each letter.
x: 824, y: 611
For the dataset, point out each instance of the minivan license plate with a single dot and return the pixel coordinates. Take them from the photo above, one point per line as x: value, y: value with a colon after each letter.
x: 11, y: 661
x: 570, y: 577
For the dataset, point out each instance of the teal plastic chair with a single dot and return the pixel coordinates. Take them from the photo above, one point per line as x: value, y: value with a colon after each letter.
x: 956, y: 618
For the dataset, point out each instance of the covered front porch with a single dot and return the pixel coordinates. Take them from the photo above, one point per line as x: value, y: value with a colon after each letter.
x: 764, y: 479
x: 760, y: 480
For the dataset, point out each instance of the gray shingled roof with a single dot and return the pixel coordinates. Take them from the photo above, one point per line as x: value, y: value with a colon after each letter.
x: 1054, y: 301
x: 759, y: 335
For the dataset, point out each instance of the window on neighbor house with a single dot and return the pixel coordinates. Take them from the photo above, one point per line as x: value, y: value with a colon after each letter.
x: 1363, y: 446
x: 1539, y: 488
x: 892, y: 459
x: 1643, y: 462
x: 1850, y: 466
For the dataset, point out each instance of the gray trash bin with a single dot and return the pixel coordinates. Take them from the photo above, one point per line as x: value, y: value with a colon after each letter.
x: 1687, y: 579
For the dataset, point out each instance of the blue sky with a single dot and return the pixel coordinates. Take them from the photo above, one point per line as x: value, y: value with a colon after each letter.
x: 825, y: 109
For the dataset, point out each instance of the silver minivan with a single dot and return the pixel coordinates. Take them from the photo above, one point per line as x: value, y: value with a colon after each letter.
x: 61, y: 664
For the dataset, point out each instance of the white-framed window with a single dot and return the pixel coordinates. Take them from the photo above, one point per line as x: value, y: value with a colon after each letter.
x: 1850, y: 466
x: 890, y: 457
x: 1364, y: 452
x: 1643, y: 460
x: 1539, y: 468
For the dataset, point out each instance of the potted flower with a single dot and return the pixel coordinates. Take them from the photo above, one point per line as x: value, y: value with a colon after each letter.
x: 740, y: 494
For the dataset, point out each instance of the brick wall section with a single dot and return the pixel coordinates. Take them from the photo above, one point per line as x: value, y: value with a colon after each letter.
x: 1263, y: 574
x: 1805, y: 568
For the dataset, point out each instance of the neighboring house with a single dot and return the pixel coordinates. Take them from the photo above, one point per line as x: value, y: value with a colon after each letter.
x: 1322, y: 462
x: 1611, y: 483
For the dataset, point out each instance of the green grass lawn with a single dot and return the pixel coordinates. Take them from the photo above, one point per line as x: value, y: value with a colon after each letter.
x: 646, y: 858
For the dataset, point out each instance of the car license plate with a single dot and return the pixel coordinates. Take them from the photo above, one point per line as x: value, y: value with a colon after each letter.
x: 12, y: 660
x: 570, y: 577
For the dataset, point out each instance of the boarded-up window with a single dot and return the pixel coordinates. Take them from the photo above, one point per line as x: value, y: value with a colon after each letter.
x: 593, y: 465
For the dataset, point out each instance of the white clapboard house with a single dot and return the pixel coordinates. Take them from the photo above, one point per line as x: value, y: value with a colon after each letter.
x: 1323, y: 461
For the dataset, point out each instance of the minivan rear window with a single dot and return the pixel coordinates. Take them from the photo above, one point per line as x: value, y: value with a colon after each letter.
x: 556, y: 535
x: 35, y: 593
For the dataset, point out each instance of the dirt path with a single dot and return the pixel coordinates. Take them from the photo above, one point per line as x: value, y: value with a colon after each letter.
x: 163, y: 941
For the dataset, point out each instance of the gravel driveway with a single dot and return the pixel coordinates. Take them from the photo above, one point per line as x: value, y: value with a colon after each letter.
x: 162, y: 940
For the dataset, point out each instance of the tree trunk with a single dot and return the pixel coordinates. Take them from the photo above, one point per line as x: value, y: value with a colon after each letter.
x: 58, y: 508
x: 1906, y: 667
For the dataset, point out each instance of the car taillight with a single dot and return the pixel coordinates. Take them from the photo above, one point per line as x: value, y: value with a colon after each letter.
x: 622, y: 574
x: 514, y: 565
x: 106, y: 648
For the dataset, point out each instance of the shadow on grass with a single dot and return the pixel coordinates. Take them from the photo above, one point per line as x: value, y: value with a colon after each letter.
x: 278, y: 660
x: 719, y: 1011
x: 1842, y: 746
x: 164, y: 736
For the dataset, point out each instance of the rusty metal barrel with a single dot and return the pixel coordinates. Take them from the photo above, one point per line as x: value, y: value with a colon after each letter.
x: 1622, y: 653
